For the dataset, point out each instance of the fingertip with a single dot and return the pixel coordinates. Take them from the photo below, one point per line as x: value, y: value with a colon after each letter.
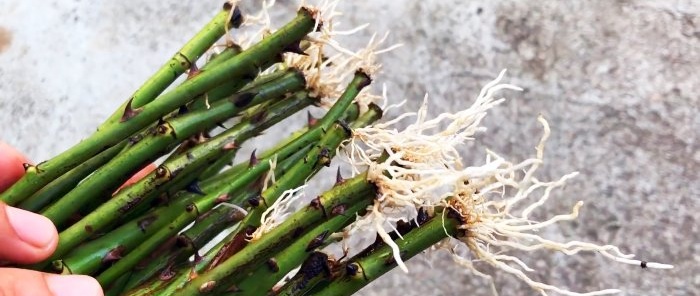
x: 73, y: 285
x: 11, y: 165
x: 25, y: 237
x: 33, y: 228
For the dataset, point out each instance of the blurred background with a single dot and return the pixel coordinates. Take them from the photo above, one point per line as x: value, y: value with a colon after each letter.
x: 617, y: 81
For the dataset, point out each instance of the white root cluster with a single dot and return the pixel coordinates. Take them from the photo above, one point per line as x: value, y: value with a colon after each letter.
x: 282, y: 208
x: 423, y: 168
x: 494, y: 200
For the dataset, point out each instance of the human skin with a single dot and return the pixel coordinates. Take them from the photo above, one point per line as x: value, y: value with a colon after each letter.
x: 26, y: 238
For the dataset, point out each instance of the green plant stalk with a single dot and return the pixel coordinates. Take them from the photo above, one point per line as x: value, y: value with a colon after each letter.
x: 350, y: 192
x: 89, y: 257
x: 306, y: 168
x: 125, y: 200
x: 289, y: 83
x: 222, y: 250
x: 103, y: 181
x: 69, y: 180
x: 320, y: 155
x: 179, y: 277
x: 190, y: 213
x: 176, y: 66
x: 206, y: 228
x: 381, y: 260
x: 118, y: 286
x: 225, y: 90
x: 279, y: 265
x: 132, y: 121
x: 184, y: 246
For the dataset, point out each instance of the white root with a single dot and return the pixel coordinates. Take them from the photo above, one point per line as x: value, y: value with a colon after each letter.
x: 424, y: 169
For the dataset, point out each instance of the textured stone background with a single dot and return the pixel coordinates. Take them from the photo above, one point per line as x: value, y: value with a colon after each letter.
x: 615, y: 79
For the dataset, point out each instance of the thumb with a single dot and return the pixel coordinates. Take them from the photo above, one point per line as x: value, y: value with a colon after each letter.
x: 20, y: 282
x: 25, y: 237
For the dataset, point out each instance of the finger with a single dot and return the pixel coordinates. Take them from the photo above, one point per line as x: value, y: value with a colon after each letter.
x: 25, y: 237
x: 11, y: 168
x: 20, y: 282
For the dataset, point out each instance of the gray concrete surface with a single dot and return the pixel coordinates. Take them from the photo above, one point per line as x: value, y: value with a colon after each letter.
x: 617, y: 81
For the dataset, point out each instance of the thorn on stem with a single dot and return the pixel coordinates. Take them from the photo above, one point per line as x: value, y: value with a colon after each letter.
x: 338, y: 177
x: 182, y: 110
x: 253, y: 159
x: 229, y: 146
x: 129, y: 112
x: 194, y: 187
x: 193, y: 71
x: 310, y: 120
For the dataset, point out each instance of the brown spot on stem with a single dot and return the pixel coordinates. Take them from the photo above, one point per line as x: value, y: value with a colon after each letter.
x: 254, y: 201
x: 168, y: 273
x: 316, y: 204
x: 338, y: 210
x: 298, y: 232
x: 242, y: 100
x: 324, y: 157
x: 272, y: 265
x: 114, y: 254
x: 222, y: 198
x: 89, y: 229
x: 317, y: 241
x: 130, y: 204
x: 145, y: 222
x: 258, y: 117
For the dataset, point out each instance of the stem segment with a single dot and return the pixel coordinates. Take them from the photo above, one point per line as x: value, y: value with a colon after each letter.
x: 134, y: 120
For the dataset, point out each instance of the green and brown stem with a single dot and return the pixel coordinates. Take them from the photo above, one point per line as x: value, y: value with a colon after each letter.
x: 195, y: 237
x: 182, y: 61
x: 135, y: 119
x: 265, y: 276
x: 319, y: 156
x: 127, y: 198
x: 350, y: 192
x: 357, y: 273
x: 65, y: 183
x: 103, y: 181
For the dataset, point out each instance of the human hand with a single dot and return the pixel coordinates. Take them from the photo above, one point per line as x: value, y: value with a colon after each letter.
x: 27, y: 238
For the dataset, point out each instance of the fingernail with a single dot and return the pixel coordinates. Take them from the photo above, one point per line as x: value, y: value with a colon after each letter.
x: 31, y: 228
x: 73, y: 285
